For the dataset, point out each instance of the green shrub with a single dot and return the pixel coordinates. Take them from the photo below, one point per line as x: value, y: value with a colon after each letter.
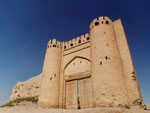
x: 19, y: 100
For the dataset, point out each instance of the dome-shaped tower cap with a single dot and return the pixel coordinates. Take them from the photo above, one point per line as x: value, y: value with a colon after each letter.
x: 59, y: 43
x: 87, y: 35
x: 50, y: 41
x: 107, y: 18
x: 100, y: 18
x: 54, y: 41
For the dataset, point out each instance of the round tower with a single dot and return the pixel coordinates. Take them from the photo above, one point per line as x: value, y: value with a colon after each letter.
x: 108, y: 82
x: 49, y: 95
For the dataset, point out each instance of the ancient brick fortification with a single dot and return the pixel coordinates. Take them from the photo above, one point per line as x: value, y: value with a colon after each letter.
x: 94, y: 70
x: 29, y: 88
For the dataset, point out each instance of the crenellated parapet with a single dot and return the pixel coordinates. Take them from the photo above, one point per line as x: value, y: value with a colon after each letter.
x: 54, y: 44
x: 100, y: 21
x: 76, y: 41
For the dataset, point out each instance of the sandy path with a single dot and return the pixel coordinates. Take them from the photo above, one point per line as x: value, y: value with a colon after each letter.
x: 38, y: 110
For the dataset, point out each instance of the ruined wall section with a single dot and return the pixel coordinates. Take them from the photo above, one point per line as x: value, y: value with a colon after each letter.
x: 49, y: 93
x: 108, y: 83
x: 130, y: 74
x: 29, y: 88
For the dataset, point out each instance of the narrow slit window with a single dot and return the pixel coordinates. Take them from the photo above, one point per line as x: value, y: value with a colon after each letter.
x: 106, y: 57
x: 101, y: 63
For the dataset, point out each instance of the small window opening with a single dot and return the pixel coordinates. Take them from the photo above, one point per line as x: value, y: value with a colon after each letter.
x: 55, y: 75
x: 106, y: 57
x: 79, y: 41
x: 133, y: 77
x: 120, y: 105
x: 96, y: 23
x: 48, y: 46
x: 50, y: 78
x: 107, y: 22
x: 88, y: 38
x: 78, y: 100
x: 64, y: 47
x: 106, y: 44
x: 73, y: 63
x: 133, y: 72
x: 80, y: 61
x: 71, y: 44
x: 113, y: 95
x: 103, y: 93
x: 100, y: 63
x: 102, y: 22
x: 104, y: 33
x: 54, y: 45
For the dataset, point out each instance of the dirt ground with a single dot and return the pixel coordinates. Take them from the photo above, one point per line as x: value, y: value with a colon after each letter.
x: 28, y: 107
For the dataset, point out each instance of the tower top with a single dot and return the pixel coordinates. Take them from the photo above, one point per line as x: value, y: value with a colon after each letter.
x: 99, y: 21
x: 54, y: 43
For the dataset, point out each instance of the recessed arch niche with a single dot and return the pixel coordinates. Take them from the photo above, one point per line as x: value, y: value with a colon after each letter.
x: 76, y: 66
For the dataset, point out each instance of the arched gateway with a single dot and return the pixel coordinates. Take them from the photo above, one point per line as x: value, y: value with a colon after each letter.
x: 78, y: 91
x: 94, y: 70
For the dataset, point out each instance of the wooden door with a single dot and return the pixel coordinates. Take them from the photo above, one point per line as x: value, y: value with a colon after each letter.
x: 71, y: 95
x: 85, y: 93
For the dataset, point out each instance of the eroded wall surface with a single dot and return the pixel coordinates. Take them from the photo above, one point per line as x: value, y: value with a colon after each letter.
x: 131, y: 78
x: 29, y: 88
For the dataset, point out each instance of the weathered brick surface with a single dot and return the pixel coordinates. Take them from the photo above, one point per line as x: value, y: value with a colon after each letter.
x: 99, y: 66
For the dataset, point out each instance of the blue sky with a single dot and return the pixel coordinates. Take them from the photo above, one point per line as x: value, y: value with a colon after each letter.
x: 27, y: 25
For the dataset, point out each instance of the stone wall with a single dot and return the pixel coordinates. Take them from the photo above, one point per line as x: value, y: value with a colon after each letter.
x: 29, y: 88
x: 131, y: 78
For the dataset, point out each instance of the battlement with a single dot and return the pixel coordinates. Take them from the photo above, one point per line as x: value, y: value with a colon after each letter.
x: 100, y: 21
x: 54, y: 44
x: 77, y: 41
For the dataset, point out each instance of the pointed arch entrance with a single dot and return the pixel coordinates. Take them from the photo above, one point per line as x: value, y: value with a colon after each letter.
x: 78, y: 92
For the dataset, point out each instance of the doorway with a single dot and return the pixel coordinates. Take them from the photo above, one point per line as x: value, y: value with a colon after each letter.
x: 78, y: 94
